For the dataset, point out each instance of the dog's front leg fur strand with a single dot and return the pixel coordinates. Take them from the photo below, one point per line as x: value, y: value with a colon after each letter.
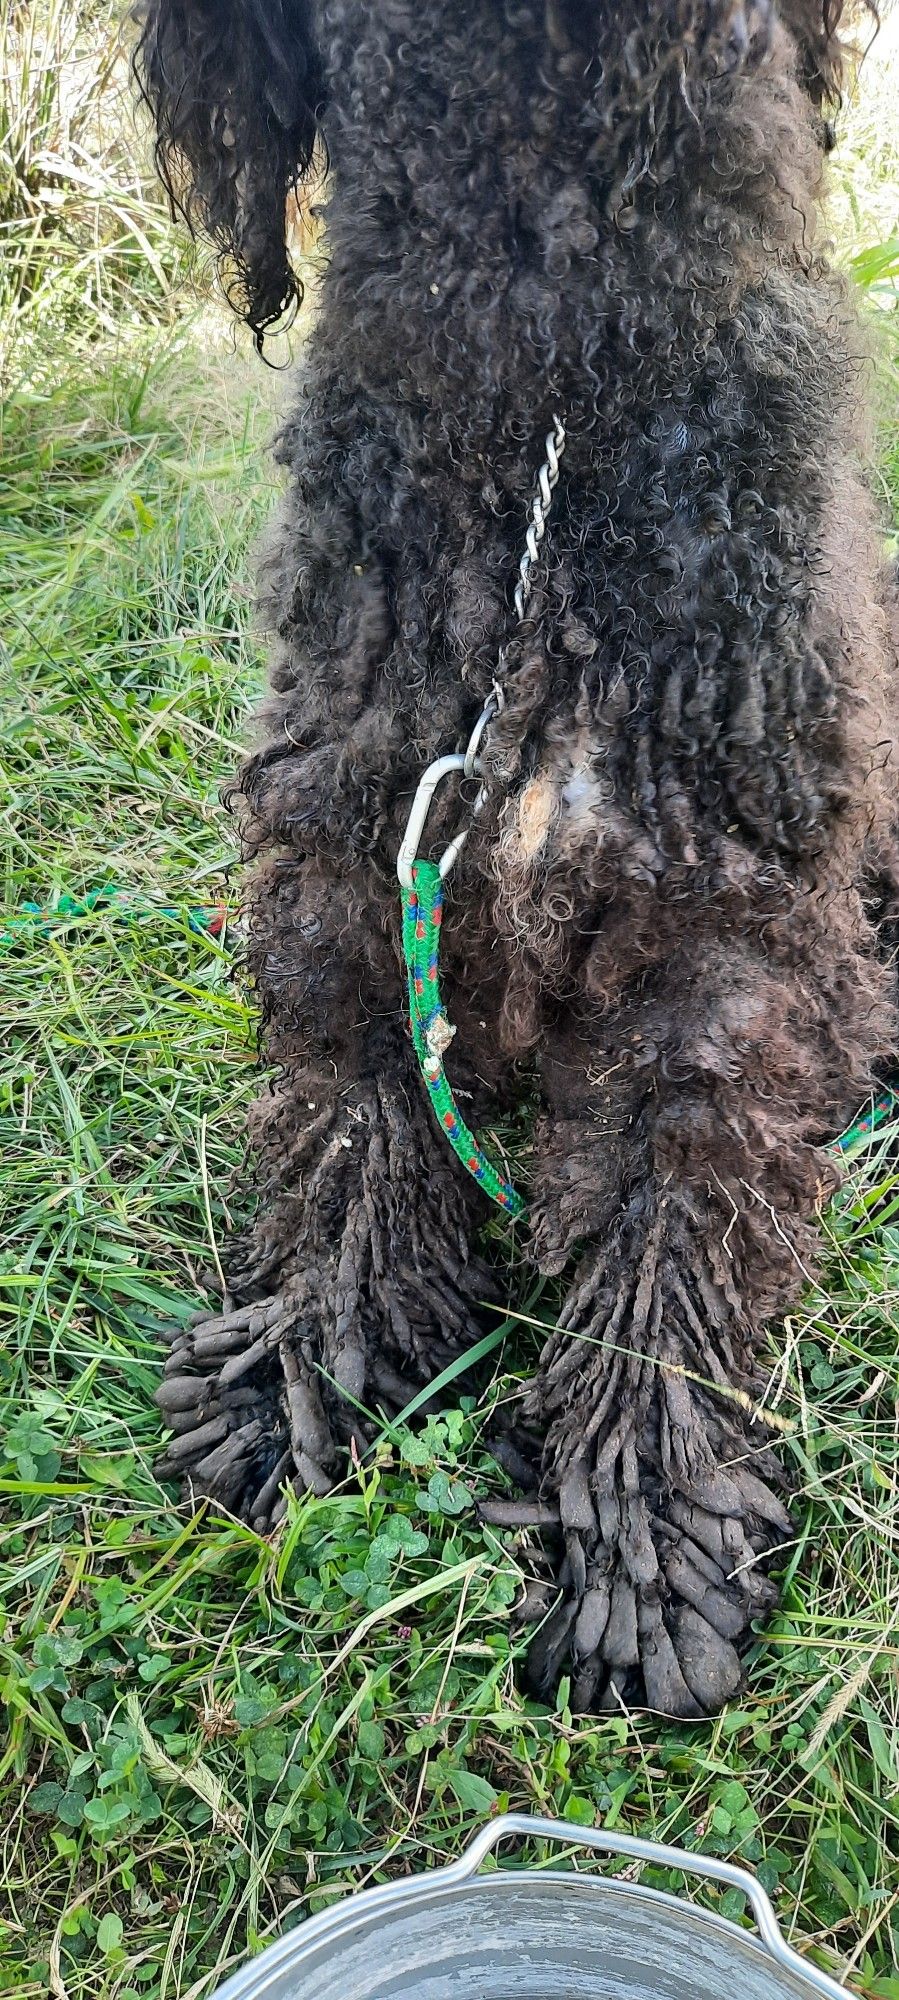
x: 679, y: 1164
x: 359, y: 1280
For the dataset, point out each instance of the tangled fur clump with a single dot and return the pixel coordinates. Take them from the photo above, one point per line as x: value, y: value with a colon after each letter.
x: 542, y: 206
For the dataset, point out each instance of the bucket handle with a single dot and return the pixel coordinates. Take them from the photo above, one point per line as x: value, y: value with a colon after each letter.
x: 635, y: 1849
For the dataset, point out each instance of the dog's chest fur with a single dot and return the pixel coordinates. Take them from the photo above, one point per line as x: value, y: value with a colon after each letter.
x: 504, y: 244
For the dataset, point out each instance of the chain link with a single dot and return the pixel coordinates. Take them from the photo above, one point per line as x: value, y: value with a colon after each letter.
x: 547, y: 481
x: 469, y: 762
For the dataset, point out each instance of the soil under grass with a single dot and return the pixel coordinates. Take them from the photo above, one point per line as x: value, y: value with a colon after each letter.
x: 210, y: 1736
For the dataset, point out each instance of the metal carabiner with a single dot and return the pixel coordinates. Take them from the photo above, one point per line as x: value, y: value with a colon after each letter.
x: 493, y: 706
x: 421, y: 806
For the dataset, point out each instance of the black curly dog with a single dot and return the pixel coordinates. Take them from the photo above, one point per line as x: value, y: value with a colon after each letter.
x: 664, y: 925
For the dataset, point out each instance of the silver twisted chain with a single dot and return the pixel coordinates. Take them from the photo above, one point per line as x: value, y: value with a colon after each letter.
x: 467, y: 763
x: 547, y: 482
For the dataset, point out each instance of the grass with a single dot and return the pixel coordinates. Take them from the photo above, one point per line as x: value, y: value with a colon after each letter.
x: 864, y: 177
x: 210, y: 1736
x: 84, y: 228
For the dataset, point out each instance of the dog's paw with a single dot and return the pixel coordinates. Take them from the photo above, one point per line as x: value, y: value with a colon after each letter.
x: 376, y: 1292
x: 277, y: 1393
x: 656, y: 1609
x: 667, y: 1496
x: 223, y: 1396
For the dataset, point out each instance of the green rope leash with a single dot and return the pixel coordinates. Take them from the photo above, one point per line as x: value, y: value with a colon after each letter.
x: 882, y: 1108
x: 432, y: 1032
x: 37, y: 920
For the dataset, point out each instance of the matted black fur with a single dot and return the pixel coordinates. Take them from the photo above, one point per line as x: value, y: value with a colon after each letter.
x: 609, y: 212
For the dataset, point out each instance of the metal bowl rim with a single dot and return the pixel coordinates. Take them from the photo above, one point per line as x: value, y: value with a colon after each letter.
x: 352, y: 1912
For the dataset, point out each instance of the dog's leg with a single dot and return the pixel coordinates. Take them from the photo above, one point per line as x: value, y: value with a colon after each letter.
x: 680, y: 1164
x: 357, y: 1283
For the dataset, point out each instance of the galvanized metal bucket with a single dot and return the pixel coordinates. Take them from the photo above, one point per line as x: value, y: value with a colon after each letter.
x: 535, y: 1934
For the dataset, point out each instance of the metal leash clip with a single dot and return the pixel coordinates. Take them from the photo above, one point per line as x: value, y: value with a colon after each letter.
x: 421, y: 806
x: 469, y: 764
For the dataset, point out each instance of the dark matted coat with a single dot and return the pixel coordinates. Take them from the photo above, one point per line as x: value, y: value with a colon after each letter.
x: 663, y: 923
